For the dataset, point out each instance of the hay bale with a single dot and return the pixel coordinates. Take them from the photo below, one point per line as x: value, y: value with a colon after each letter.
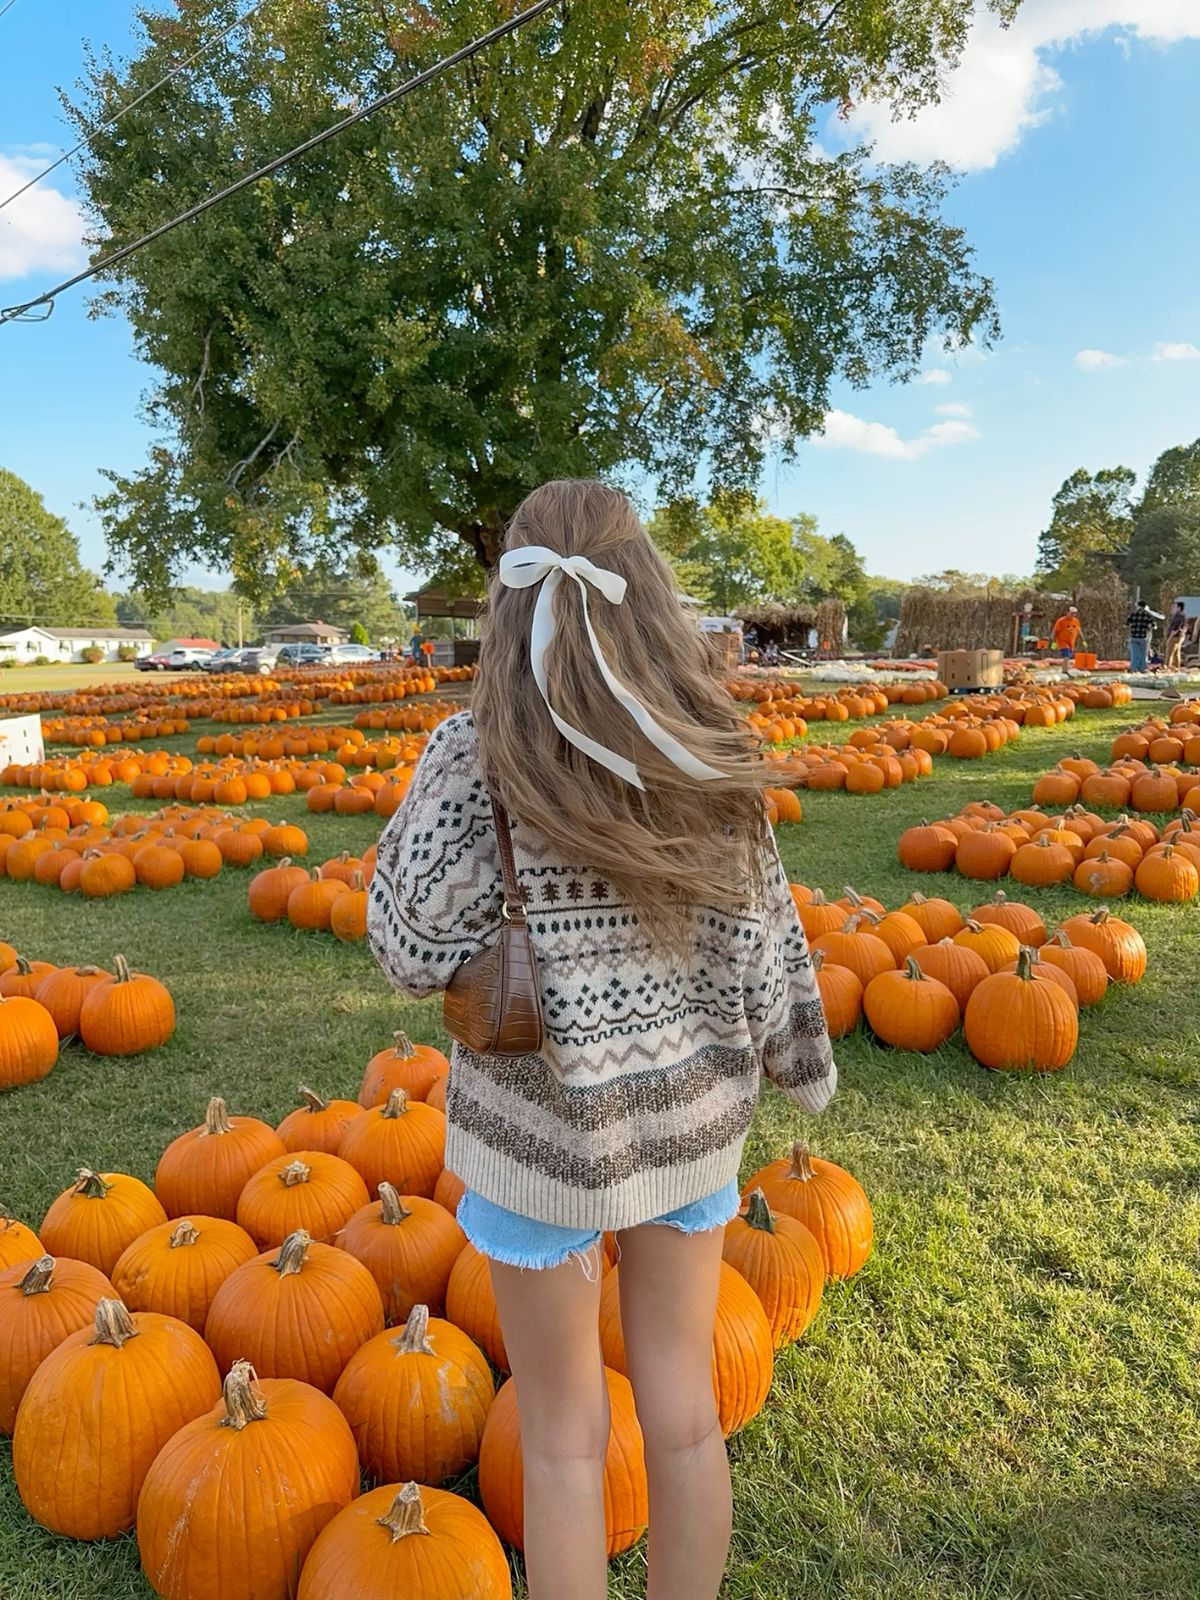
x: 985, y: 622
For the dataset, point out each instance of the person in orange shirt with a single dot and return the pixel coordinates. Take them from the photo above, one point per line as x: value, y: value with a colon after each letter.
x: 1067, y: 633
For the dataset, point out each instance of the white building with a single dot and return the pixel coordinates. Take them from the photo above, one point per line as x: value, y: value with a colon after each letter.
x: 61, y: 645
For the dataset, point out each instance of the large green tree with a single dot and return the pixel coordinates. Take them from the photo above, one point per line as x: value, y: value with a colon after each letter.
x: 615, y: 243
x: 1174, y: 479
x: 41, y: 576
x: 1164, y: 551
x: 1092, y: 519
x: 341, y: 599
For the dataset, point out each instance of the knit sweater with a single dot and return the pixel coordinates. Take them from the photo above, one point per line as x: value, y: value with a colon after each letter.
x: 639, y: 1101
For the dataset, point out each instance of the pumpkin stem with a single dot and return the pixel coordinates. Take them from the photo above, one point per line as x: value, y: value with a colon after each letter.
x: 121, y: 973
x: 23, y: 967
x: 113, y: 1324
x: 391, y: 1207
x: 972, y: 926
x: 1059, y: 937
x: 285, y: 862
x: 912, y: 970
x: 312, y: 1100
x: 37, y: 1278
x: 357, y: 882
x: 406, y: 1515
x: 404, y: 1045
x: 397, y: 1104
x: 818, y: 898
x: 91, y: 1184
x: 854, y: 898
x: 1101, y: 917
x: 292, y: 1253
x: 852, y: 924
x: 184, y: 1232
x: 758, y: 1212
x: 414, y: 1339
x: 243, y: 1402
x: 818, y: 959
x: 802, y: 1167
x: 999, y: 898
x: 216, y: 1116
x: 916, y: 898
x: 1025, y: 963
x: 295, y: 1172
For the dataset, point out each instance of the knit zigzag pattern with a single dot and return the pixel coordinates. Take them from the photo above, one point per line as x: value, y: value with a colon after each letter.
x: 640, y: 1099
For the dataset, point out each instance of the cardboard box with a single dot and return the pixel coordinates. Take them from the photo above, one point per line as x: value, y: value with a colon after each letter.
x: 971, y: 669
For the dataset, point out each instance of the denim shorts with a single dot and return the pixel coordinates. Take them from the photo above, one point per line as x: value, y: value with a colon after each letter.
x: 517, y: 1241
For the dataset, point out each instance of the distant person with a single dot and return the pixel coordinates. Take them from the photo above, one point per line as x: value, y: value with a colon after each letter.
x: 1067, y: 632
x: 1176, y: 634
x: 1140, y: 623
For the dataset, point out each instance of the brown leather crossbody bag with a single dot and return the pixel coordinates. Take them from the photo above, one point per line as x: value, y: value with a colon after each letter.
x: 493, y: 1003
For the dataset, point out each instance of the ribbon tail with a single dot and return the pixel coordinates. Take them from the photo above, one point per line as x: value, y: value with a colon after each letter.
x: 540, y: 637
x: 678, y: 754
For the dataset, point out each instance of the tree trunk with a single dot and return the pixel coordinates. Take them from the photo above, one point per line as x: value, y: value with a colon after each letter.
x: 485, y: 537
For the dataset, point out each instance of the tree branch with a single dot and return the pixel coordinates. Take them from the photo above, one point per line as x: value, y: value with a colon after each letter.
x: 262, y: 444
x: 198, y: 387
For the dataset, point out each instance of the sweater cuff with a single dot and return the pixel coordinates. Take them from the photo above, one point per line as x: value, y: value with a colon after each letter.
x: 815, y: 1096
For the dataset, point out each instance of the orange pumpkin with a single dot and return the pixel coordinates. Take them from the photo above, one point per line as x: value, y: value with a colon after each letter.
x: 207, y: 1168
x: 830, y: 1203
x: 177, y: 1267
x: 415, y: 1068
x: 98, y: 1217
x: 402, y: 1142
x: 626, y: 1496
x: 409, y: 1245
x: 41, y: 1303
x: 781, y: 1261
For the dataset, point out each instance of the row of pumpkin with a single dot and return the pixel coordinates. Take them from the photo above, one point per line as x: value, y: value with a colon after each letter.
x: 1102, y: 859
x: 124, y: 1291
x: 117, y: 1013
x: 919, y: 972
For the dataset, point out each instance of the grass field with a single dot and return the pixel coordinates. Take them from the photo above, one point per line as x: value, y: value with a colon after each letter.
x: 49, y: 680
x: 1001, y: 1406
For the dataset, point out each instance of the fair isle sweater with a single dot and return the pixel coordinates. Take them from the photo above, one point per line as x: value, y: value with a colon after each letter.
x: 640, y: 1098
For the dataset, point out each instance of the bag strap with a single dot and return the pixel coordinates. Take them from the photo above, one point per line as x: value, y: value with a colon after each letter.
x: 514, y: 904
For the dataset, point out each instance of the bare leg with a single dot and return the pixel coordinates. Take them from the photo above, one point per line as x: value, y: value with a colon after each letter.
x: 668, y: 1306
x: 551, y: 1332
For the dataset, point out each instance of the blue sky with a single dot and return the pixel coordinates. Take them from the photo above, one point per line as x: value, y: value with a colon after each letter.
x: 1076, y: 133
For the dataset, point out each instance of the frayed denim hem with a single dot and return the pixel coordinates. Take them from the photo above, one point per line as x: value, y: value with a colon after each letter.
x: 516, y: 1241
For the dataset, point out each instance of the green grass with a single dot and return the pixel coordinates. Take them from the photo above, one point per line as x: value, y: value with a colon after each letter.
x: 1001, y: 1406
x: 47, y: 680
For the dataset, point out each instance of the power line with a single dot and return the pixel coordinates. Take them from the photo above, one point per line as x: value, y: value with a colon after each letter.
x: 107, y: 122
x: 8, y: 7
x: 22, y: 311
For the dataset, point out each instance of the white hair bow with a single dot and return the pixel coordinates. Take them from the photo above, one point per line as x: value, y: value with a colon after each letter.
x: 521, y: 569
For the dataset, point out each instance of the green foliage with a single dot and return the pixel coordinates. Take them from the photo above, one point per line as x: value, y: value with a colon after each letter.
x: 1174, y: 479
x: 92, y: 653
x: 41, y: 576
x: 190, y: 613
x: 961, y: 585
x: 614, y: 244
x: 359, y: 635
x: 44, y: 661
x: 342, y: 600
x: 1093, y: 517
x: 127, y: 652
x: 1164, y: 552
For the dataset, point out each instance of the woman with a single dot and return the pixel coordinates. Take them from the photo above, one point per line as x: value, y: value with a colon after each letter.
x: 673, y: 968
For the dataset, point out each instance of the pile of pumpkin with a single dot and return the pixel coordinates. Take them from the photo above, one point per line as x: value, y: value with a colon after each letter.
x: 389, y: 682
x: 97, y: 731
x: 118, y: 1013
x: 157, y: 851
x: 918, y: 972
x: 304, y: 1294
x: 1103, y: 859
x: 331, y: 898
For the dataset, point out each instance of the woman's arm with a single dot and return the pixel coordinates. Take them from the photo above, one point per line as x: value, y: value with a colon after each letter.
x: 436, y: 892
x: 783, y: 1003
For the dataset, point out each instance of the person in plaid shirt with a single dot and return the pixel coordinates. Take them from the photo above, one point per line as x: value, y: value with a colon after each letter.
x: 1140, y: 623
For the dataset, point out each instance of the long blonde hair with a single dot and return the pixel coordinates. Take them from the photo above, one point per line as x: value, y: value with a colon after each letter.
x: 678, y: 841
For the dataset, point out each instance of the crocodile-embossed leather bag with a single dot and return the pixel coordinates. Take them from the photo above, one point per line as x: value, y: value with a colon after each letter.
x: 493, y: 1003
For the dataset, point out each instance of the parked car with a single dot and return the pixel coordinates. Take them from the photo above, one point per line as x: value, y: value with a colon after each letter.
x: 344, y: 655
x: 300, y: 655
x: 262, y: 658
x: 154, y: 663
x: 190, y: 658
x: 223, y: 660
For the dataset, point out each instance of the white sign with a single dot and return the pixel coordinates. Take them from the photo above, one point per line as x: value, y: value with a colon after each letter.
x: 21, y: 742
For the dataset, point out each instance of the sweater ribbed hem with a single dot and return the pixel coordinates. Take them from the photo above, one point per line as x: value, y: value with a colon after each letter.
x: 815, y: 1096
x: 642, y: 1197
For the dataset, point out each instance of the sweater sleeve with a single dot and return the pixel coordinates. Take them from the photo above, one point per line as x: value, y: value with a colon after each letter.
x: 783, y: 1003
x: 436, y: 892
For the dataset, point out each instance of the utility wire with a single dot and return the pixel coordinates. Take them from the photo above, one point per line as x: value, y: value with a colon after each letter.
x: 107, y: 122
x: 8, y: 7
x: 22, y: 311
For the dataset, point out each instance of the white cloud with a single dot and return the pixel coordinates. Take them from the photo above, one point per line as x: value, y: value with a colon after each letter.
x: 844, y: 431
x: 934, y: 375
x: 43, y: 230
x: 1091, y: 360
x: 1175, y: 352
x: 1004, y: 86
x: 953, y: 410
